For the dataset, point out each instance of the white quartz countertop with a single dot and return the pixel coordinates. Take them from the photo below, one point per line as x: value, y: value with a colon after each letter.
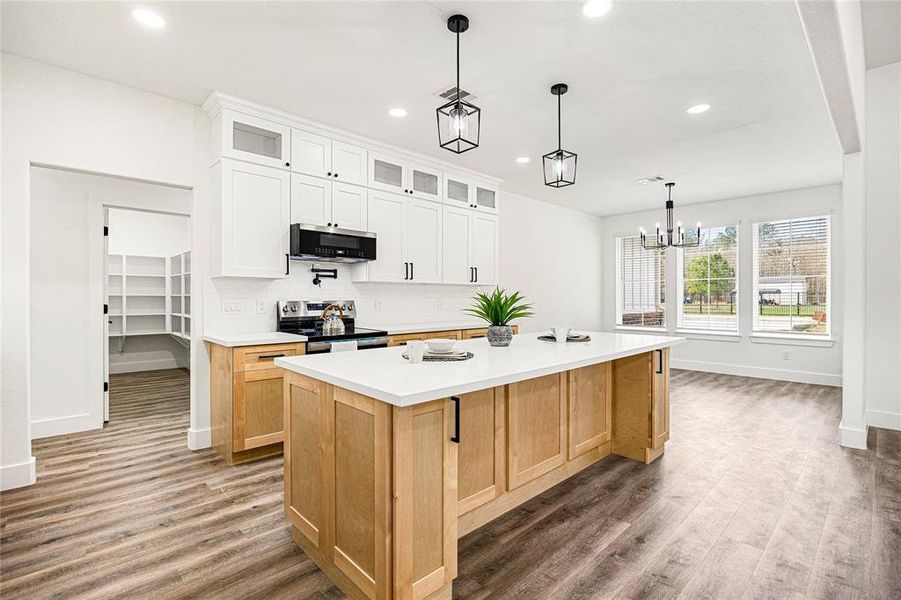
x: 385, y: 375
x: 232, y: 340
x: 399, y: 329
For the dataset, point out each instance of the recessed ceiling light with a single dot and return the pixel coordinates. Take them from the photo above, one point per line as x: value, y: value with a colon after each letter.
x: 697, y: 109
x: 597, y: 8
x: 522, y: 160
x: 148, y: 18
x: 397, y: 112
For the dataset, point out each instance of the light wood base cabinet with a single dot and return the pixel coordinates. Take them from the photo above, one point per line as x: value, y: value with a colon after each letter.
x: 377, y: 494
x: 246, y: 400
x: 454, y: 334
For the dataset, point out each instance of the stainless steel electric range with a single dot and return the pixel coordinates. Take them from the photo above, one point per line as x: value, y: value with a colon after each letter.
x: 304, y: 317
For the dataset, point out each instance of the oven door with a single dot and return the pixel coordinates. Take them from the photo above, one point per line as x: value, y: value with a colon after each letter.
x: 331, y: 244
x: 321, y: 347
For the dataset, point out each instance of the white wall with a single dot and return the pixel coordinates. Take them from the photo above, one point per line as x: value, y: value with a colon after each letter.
x: 883, y: 223
x: 551, y: 254
x: 151, y: 234
x: 816, y: 362
x: 66, y: 280
x: 57, y: 117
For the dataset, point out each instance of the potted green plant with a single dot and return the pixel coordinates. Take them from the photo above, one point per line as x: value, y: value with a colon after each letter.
x: 498, y: 309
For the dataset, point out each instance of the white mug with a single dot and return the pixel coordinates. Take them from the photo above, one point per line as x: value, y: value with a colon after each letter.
x: 415, y: 350
x: 560, y: 333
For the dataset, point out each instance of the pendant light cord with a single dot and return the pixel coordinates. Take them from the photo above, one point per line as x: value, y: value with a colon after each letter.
x: 458, y: 67
x: 559, y: 125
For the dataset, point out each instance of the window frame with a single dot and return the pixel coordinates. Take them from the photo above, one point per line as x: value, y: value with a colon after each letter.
x: 618, y: 285
x: 680, y: 285
x: 814, y: 339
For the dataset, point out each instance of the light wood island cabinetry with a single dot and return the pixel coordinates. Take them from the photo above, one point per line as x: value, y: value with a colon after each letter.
x: 378, y: 493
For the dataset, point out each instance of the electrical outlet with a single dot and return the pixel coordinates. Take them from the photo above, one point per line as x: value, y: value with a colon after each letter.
x: 262, y: 307
x: 786, y: 355
x: 232, y: 306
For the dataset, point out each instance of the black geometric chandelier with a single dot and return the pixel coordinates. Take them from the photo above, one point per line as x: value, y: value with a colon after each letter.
x: 458, y: 120
x: 559, y: 165
x: 675, y: 239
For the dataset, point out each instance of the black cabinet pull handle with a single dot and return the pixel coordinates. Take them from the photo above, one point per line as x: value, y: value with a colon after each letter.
x: 660, y: 361
x: 336, y: 174
x: 477, y: 274
x: 406, y: 271
x: 411, y: 270
x: 329, y: 173
x: 456, y: 437
x: 329, y: 224
x: 287, y: 164
x: 472, y: 274
x: 336, y: 224
x: 287, y: 264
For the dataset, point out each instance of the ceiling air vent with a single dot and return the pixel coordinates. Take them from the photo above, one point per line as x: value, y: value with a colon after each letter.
x: 649, y: 180
x: 450, y: 92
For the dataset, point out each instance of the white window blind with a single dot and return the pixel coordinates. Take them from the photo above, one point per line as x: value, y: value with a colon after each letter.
x: 791, y: 276
x: 640, y: 284
x: 709, y: 300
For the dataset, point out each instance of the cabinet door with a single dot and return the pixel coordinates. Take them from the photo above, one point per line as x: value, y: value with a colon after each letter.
x: 660, y: 399
x: 486, y: 200
x: 387, y: 173
x: 349, y: 163
x: 423, y: 240
x: 386, y: 220
x: 401, y: 340
x: 425, y: 182
x: 348, y: 206
x: 310, y: 153
x: 258, y: 408
x: 589, y: 395
x: 311, y: 200
x: 304, y: 415
x: 256, y: 140
x: 536, y: 428
x: 458, y: 192
x: 456, y: 244
x: 484, y: 248
x: 480, y: 475
x: 255, y: 219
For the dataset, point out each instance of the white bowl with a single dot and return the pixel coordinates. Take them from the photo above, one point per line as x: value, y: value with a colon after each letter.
x: 440, y: 345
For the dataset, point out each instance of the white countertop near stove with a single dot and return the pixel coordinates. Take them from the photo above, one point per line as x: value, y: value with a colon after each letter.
x: 399, y: 329
x: 233, y: 340
x: 385, y: 375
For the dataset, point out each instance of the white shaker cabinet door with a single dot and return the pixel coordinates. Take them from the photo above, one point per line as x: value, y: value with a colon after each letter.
x: 456, y: 243
x: 386, y: 220
x: 348, y: 206
x: 349, y: 163
x: 256, y: 140
x: 311, y: 154
x: 254, y: 218
x: 423, y: 240
x: 484, y: 248
x: 311, y: 200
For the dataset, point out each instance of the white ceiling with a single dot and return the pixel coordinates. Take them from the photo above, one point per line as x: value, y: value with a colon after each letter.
x: 631, y: 73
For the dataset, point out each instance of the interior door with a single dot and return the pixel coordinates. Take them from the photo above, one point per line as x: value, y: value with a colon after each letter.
x: 311, y: 200
x: 457, y: 228
x: 386, y: 220
x: 106, y: 316
x: 484, y: 248
x: 423, y: 240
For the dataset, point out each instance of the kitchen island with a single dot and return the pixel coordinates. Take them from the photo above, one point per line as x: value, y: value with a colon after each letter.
x: 387, y: 463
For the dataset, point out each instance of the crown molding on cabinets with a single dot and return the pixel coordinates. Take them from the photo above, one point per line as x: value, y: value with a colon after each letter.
x: 216, y: 102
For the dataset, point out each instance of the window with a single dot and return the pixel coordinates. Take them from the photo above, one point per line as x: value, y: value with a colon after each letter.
x: 640, y: 284
x: 791, y: 276
x: 709, y: 299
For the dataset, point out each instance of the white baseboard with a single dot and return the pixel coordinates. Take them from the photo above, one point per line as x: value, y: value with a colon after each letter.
x: 852, y: 438
x: 884, y: 419
x: 147, y: 365
x: 18, y: 475
x: 42, y: 428
x: 761, y: 372
x: 198, y: 439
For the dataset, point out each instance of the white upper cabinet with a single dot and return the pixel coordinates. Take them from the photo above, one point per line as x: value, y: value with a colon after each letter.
x: 252, y: 216
x: 457, y: 267
x: 458, y: 192
x: 484, y: 248
x: 317, y: 201
x: 253, y: 139
x: 393, y: 174
x: 486, y: 199
x: 422, y: 234
x: 320, y: 156
x: 424, y: 182
x: 311, y: 154
x: 386, y: 220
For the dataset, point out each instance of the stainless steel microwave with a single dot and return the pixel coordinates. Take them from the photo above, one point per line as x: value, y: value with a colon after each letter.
x: 331, y: 244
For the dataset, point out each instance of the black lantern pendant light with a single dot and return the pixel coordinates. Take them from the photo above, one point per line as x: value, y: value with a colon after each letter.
x: 670, y: 238
x: 559, y: 165
x: 458, y: 120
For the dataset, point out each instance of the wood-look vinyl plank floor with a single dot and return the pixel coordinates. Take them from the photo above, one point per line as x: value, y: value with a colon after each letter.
x: 753, y: 499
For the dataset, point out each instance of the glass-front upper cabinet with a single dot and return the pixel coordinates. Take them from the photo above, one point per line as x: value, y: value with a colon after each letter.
x: 424, y: 182
x: 486, y: 200
x: 458, y: 192
x: 387, y: 173
x: 256, y: 140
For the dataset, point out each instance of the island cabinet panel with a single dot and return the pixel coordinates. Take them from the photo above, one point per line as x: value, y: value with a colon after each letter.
x: 481, y: 451
x: 258, y: 409
x: 589, y: 394
x: 425, y: 499
x: 634, y: 411
x: 303, y: 467
x: 536, y: 427
x: 660, y: 399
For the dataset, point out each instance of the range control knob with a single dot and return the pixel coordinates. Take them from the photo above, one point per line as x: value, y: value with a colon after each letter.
x: 293, y: 308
